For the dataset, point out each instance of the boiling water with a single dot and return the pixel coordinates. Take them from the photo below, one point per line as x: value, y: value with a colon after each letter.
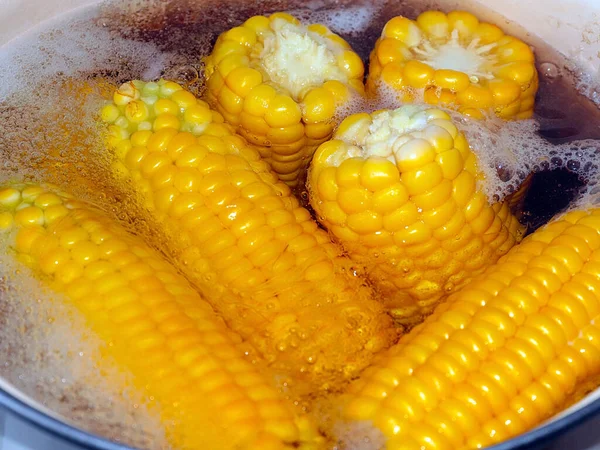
x: 55, y: 78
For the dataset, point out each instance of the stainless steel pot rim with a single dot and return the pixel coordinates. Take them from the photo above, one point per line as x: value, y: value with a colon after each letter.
x: 55, y: 427
x: 530, y: 440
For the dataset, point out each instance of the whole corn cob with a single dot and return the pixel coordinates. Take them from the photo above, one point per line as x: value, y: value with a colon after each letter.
x: 399, y: 190
x: 283, y: 86
x: 180, y: 353
x: 455, y: 60
x: 498, y: 357
x: 244, y: 241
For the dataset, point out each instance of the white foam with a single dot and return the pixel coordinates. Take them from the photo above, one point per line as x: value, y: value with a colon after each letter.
x: 586, y: 84
x: 70, y: 45
x: 358, y: 436
x: 344, y: 20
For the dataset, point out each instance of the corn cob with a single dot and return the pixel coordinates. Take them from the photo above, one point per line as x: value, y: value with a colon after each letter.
x: 244, y: 241
x: 498, y: 357
x: 399, y: 190
x: 455, y: 60
x: 282, y: 85
x: 179, y: 351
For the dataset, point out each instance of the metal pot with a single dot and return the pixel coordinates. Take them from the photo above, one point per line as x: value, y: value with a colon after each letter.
x: 570, y: 26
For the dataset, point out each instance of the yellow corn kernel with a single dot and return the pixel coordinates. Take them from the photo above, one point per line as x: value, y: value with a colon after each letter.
x: 261, y: 78
x: 452, y: 80
x: 29, y: 215
x: 282, y: 112
x: 465, y: 23
x: 424, y: 208
x: 232, y: 224
x: 502, y: 355
x: 188, y: 407
x: 402, y: 29
x: 417, y: 74
x: 455, y: 61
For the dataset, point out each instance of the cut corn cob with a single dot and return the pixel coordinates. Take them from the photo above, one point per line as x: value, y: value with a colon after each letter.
x: 501, y: 355
x: 243, y: 239
x: 282, y: 85
x: 455, y: 60
x: 399, y: 190
x: 180, y: 353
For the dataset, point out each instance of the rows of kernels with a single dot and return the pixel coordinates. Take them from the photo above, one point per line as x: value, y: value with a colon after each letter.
x: 243, y: 239
x: 179, y: 351
x: 287, y: 127
x: 412, y: 216
x: 501, y: 355
x: 151, y: 106
x: 507, y: 86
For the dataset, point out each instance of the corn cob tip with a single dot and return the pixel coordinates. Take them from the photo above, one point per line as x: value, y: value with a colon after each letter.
x: 455, y: 60
x: 296, y: 58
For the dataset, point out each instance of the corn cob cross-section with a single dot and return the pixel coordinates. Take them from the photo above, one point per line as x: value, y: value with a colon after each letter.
x: 243, y: 239
x: 500, y: 356
x: 455, y: 60
x: 180, y: 353
x: 282, y: 85
x: 399, y: 190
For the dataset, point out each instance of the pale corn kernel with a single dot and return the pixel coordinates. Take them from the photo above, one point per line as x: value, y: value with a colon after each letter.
x: 30, y: 193
x: 10, y: 197
x: 126, y: 93
x: 137, y: 111
x: 414, y: 154
x: 110, y: 113
x: 434, y: 23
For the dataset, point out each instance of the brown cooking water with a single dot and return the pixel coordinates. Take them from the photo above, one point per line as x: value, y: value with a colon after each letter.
x: 55, y: 79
